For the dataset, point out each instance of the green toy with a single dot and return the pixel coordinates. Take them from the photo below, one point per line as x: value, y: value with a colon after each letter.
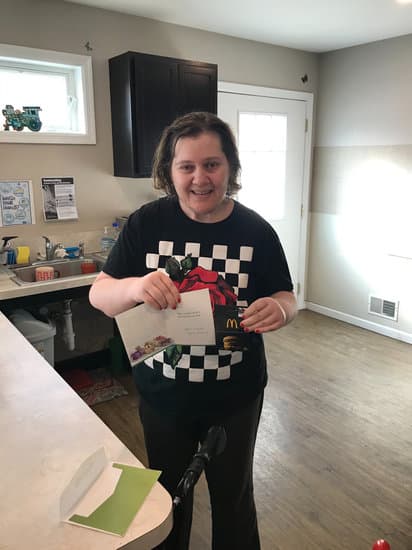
x: 19, y: 119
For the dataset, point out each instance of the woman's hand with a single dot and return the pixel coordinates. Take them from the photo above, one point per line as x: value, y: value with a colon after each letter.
x: 269, y: 313
x: 156, y: 289
x: 113, y: 296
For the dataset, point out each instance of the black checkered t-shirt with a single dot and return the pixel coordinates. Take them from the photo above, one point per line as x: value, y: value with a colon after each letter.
x: 246, y: 251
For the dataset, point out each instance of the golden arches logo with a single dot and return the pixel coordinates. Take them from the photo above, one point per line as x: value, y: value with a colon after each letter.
x: 231, y: 323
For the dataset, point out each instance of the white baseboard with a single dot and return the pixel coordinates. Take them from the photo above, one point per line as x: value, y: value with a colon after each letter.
x: 363, y: 323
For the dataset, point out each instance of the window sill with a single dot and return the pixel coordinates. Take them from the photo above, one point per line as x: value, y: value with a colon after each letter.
x: 13, y: 136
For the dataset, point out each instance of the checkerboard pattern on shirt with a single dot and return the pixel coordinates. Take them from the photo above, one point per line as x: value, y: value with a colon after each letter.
x: 203, y: 363
x: 198, y: 364
x: 233, y: 263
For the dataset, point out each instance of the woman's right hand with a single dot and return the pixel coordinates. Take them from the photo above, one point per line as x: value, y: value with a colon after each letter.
x: 155, y: 289
x: 113, y: 296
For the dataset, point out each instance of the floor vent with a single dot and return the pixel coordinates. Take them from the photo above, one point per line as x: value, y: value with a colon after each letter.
x: 383, y: 308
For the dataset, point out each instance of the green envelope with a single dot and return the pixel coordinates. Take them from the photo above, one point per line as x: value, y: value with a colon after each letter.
x: 116, y: 513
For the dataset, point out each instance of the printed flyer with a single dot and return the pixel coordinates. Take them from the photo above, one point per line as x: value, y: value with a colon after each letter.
x: 59, y: 201
x: 16, y: 203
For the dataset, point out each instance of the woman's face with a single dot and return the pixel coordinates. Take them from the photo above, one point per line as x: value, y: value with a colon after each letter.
x: 200, y: 174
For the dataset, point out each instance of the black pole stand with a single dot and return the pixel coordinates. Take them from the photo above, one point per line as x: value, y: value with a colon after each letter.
x: 213, y: 445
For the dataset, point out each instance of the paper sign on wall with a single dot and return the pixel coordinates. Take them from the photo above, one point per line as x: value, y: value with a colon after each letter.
x: 59, y: 201
x: 16, y: 203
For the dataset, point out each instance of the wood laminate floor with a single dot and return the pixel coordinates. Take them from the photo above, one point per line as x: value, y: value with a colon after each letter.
x: 333, y: 462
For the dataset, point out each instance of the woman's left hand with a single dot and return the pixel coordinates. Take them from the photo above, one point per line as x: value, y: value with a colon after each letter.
x: 264, y: 315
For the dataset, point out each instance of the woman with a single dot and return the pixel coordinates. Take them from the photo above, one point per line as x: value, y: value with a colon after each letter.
x: 183, y: 394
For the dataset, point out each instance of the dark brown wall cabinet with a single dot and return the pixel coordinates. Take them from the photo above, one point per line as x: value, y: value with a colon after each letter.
x: 147, y: 93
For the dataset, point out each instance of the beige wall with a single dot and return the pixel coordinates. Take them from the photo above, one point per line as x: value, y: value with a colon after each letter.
x: 57, y: 25
x: 364, y: 114
x: 361, y: 225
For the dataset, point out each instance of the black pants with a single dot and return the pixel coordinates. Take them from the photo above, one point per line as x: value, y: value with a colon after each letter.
x: 171, y: 444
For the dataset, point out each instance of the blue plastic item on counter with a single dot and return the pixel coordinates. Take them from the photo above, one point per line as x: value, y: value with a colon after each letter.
x: 11, y: 256
x: 5, y: 247
x: 72, y: 251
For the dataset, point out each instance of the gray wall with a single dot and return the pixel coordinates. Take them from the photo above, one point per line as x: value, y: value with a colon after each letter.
x: 362, y: 189
x: 57, y: 25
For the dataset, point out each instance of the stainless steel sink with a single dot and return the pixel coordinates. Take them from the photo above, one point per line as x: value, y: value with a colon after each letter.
x: 62, y: 269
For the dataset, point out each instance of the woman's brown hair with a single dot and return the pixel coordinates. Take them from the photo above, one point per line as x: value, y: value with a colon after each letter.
x: 192, y: 125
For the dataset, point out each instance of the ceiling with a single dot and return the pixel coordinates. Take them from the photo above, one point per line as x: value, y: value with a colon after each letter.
x: 311, y: 25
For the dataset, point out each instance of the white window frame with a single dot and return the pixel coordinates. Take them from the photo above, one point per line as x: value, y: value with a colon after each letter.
x: 82, y: 69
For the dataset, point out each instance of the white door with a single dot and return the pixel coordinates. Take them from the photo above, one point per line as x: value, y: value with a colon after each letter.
x: 271, y: 133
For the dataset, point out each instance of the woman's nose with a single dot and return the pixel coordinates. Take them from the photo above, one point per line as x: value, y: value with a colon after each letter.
x: 200, y: 174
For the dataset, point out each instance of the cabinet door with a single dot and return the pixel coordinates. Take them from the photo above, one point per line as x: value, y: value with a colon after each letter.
x: 147, y: 93
x: 121, y: 101
x: 155, y: 106
x: 197, y: 88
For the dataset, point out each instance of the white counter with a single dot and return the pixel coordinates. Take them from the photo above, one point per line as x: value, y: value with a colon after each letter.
x: 47, y: 431
x: 9, y: 289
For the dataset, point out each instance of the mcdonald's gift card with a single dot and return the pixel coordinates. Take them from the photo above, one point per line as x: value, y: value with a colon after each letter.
x: 229, y: 334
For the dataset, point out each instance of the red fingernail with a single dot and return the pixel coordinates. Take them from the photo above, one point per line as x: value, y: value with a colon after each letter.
x: 258, y: 331
x: 246, y: 329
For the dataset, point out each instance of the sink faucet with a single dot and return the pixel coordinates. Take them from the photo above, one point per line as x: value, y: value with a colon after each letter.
x: 50, y: 248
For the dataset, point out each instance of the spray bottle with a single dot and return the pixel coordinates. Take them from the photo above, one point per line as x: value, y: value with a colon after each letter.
x: 6, y: 246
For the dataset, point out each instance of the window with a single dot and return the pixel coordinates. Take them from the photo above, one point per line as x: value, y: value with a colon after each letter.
x: 45, y: 96
x: 262, y: 152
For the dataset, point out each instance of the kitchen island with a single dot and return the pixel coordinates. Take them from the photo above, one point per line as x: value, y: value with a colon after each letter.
x: 47, y: 432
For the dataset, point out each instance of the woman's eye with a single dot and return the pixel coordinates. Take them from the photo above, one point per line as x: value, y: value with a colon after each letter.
x: 186, y: 167
x: 212, y: 165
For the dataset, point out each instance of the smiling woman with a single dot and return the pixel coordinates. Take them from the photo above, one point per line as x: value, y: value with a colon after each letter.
x: 203, y: 238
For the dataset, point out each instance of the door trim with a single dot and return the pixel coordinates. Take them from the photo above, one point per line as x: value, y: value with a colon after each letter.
x: 307, y: 98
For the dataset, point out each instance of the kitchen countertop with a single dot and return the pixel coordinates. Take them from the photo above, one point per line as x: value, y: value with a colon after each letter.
x: 9, y: 289
x: 47, y: 432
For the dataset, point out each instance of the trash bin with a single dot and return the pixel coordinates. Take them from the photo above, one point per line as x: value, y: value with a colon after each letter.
x: 39, y: 334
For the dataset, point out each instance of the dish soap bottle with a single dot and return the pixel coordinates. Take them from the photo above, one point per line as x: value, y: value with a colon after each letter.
x: 107, y: 241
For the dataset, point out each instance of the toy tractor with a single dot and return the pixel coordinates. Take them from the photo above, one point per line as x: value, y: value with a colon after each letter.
x: 19, y: 119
